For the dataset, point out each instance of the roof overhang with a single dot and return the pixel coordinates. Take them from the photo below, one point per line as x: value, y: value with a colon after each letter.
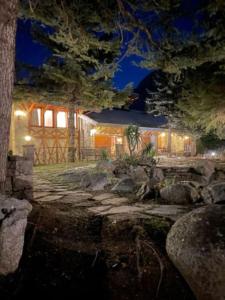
x: 87, y: 119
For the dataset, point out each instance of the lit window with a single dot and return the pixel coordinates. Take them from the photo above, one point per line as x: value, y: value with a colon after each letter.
x: 75, y: 120
x: 36, y: 117
x: 48, y: 118
x: 61, y: 119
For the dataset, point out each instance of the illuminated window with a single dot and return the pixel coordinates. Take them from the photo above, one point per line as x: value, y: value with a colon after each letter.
x: 36, y: 117
x: 48, y: 118
x: 61, y: 119
x: 75, y: 120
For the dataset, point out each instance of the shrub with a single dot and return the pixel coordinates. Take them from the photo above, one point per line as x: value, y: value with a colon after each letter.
x: 104, y: 155
x: 148, y: 151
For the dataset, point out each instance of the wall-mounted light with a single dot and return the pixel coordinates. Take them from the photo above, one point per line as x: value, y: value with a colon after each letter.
x: 163, y: 134
x: 20, y: 113
x: 93, y: 131
x: 27, y: 138
x: 186, y: 137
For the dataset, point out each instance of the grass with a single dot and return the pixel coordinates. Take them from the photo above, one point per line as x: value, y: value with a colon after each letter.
x: 51, y: 172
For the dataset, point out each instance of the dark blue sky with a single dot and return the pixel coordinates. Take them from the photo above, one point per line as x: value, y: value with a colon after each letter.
x: 129, y: 72
x: 34, y: 53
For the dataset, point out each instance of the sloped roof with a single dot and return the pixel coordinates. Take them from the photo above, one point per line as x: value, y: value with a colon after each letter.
x: 128, y: 117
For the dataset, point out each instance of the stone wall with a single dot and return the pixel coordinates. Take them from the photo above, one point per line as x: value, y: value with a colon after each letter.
x: 19, y: 183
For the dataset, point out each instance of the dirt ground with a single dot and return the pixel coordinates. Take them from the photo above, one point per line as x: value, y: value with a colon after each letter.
x: 72, y: 253
x: 75, y: 255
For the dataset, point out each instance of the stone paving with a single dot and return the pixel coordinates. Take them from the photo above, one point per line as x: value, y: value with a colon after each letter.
x: 102, y: 203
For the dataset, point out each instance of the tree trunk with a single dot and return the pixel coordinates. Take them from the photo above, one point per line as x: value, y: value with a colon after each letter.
x: 71, y: 132
x: 8, y: 17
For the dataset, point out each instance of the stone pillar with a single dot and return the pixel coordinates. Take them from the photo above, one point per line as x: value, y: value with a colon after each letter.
x: 28, y: 152
x: 19, y: 177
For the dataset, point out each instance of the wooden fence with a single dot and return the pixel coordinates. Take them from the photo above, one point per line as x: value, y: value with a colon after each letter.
x: 58, y: 155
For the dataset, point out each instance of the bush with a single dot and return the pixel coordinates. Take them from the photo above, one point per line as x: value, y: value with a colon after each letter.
x: 148, y: 151
x: 104, y: 155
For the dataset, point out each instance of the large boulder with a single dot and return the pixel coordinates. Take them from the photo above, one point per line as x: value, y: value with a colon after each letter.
x: 13, y: 221
x: 138, y: 174
x: 95, y: 181
x: 125, y: 185
x: 180, y: 193
x: 105, y: 166
x: 196, y: 246
x: 158, y: 174
x: 214, y: 193
x: 206, y: 169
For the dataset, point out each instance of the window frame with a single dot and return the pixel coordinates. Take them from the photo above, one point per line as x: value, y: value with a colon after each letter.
x: 55, y: 111
x: 31, y: 117
x: 56, y: 120
x: 53, y: 117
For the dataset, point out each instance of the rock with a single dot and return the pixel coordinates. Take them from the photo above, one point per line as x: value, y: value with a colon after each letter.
x: 138, y: 168
x: 179, y: 193
x: 125, y: 185
x: 147, y: 190
x: 13, y: 221
x: 219, y: 175
x: 124, y: 209
x: 206, y: 168
x: 116, y: 201
x: 138, y: 174
x: 99, y: 181
x: 95, y: 181
x: 172, y: 212
x: 106, y: 166
x: 196, y: 246
x: 214, y: 193
x: 158, y: 174
x: 49, y: 198
x: 104, y: 196
x: 85, y: 181
x: 121, y: 168
x: 74, y: 176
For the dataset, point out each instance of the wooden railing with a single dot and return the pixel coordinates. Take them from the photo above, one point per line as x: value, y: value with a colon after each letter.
x: 57, y: 155
x: 50, y: 155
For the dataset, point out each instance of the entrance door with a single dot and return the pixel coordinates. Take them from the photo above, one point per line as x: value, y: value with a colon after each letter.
x: 103, y: 142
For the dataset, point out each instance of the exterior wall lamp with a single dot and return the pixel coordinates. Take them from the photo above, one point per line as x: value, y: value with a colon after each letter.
x: 27, y: 138
x: 93, y: 131
x: 20, y: 113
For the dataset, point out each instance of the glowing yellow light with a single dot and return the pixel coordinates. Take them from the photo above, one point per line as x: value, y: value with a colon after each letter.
x: 186, y: 137
x: 27, y: 138
x: 119, y: 140
x: 163, y: 134
x: 93, y: 131
x: 20, y: 113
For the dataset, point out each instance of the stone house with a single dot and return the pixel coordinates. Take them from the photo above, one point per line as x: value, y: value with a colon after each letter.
x: 46, y: 127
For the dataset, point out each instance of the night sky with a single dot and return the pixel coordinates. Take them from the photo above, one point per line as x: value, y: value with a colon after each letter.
x: 35, y: 54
